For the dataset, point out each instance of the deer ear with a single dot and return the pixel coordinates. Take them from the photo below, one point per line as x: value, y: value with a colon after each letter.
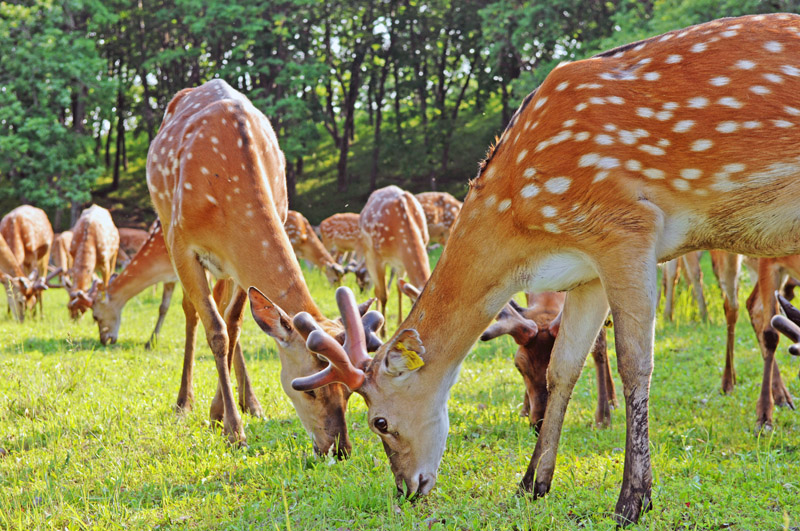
x: 270, y: 317
x: 404, y: 354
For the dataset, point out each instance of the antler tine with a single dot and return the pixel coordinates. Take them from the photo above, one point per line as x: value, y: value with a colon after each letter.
x: 355, y: 342
x: 372, y: 322
x: 790, y: 330
x: 788, y: 309
x: 341, y: 369
x: 305, y: 324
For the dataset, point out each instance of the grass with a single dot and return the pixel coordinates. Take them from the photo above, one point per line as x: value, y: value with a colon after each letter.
x: 92, y: 440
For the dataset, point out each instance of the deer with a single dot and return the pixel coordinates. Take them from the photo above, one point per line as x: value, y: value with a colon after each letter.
x: 61, y: 257
x: 342, y: 238
x: 307, y: 246
x: 28, y: 233
x: 18, y: 287
x: 681, y: 142
x: 216, y: 176
x: 130, y: 241
x: 95, y: 244
x: 148, y: 266
x: 394, y: 233
x: 689, y: 265
x: 788, y: 324
x: 441, y: 210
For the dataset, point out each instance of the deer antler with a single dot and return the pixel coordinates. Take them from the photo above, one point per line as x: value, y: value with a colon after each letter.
x: 510, y: 321
x: 788, y: 325
x: 346, y: 362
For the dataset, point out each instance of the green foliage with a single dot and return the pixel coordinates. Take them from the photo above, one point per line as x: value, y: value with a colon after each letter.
x: 92, y: 440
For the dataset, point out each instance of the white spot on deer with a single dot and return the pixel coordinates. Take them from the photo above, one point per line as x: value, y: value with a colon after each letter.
x: 727, y: 127
x: 211, y: 199
x: 599, y: 176
x: 163, y: 150
x: 645, y: 112
x: 214, y: 140
x: 773, y: 78
x: 569, y: 123
x: 728, y: 101
x: 558, y: 185
x: 584, y: 86
x: 561, y: 86
x: 249, y: 213
x: 490, y: 200
x: 663, y: 142
x: 549, y: 212
x: 227, y: 198
x: 204, y: 170
x: 236, y: 190
x: 529, y: 172
x: 187, y: 185
x: 735, y: 167
x: 502, y: 206
x: 529, y: 190
x: 691, y: 173
x: 680, y: 184
x: 521, y: 155
x: 790, y: 70
x: 605, y: 140
x: 699, y: 47
x: 720, y: 81
x: 589, y: 159
x: 607, y: 163
x: 633, y: 165
x: 616, y: 100
x: 663, y: 116
x: 583, y: 135
x: 551, y: 227
x: 652, y: 76
x: 751, y: 124
x: 760, y: 90
x: 653, y: 150
x: 729, y: 33
x: 581, y: 106
x: 701, y: 145
x: 539, y: 103
x: 744, y: 64
x: 673, y: 59
x: 698, y: 102
x: 594, y: 100
x: 670, y: 106
x: 773, y: 46
x: 610, y: 128
x: 653, y: 173
x: 782, y: 123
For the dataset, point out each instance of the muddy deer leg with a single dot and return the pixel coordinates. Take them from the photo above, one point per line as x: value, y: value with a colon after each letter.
x: 166, y: 298
x: 195, y: 285
x: 585, y: 308
x: 780, y: 393
x: 602, y: 416
x: 186, y: 393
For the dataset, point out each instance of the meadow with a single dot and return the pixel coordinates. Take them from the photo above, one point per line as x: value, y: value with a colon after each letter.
x: 90, y: 439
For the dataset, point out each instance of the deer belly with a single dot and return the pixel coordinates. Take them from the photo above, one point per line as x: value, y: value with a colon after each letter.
x: 558, y: 272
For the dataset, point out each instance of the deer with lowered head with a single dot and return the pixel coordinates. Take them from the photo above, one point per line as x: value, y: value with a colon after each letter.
x: 130, y: 241
x: 61, y: 257
x: 95, y: 244
x: 342, y: 238
x: 18, y: 286
x: 394, y: 233
x: 216, y: 176
x: 307, y: 246
x: 441, y: 210
x: 685, y: 141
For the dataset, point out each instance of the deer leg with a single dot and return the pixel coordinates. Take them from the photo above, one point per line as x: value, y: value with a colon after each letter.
x: 166, y: 298
x: 195, y: 284
x: 234, y: 315
x: 602, y: 416
x: 669, y: 279
x: 377, y: 270
x: 727, y: 267
x: 780, y: 394
x: 694, y: 275
x: 186, y: 392
x: 399, y: 301
x: 585, y: 308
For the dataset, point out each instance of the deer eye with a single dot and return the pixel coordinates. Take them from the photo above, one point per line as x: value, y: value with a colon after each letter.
x: 381, y: 425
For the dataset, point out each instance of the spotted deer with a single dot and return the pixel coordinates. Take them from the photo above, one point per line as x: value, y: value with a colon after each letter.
x: 217, y: 180
x: 17, y: 286
x: 148, y: 266
x: 394, y: 233
x: 307, y: 246
x: 342, y: 237
x: 441, y: 210
x: 130, y: 241
x: 61, y: 256
x: 95, y: 244
x: 685, y: 141
x: 28, y: 233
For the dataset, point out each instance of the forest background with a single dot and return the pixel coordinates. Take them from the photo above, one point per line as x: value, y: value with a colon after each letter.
x: 361, y: 93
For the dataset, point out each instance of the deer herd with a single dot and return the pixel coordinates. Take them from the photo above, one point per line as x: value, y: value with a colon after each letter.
x: 647, y: 153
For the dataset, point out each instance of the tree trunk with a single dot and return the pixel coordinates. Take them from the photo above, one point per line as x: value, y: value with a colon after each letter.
x: 120, y: 141
x: 108, y: 141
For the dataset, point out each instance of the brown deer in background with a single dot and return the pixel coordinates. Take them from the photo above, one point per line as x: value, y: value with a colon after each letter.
x: 307, y: 246
x: 441, y: 210
x: 29, y: 235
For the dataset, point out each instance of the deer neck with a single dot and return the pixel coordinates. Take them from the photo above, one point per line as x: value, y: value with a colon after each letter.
x: 8, y: 262
x: 84, y: 264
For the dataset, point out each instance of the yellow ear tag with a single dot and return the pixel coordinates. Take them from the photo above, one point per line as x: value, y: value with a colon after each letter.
x: 412, y: 359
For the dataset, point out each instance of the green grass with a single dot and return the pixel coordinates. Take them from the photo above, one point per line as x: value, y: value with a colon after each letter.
x: 92, y: 440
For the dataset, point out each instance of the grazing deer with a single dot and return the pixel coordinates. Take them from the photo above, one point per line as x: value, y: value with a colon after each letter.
x: 534, y: 329
x: 61, y: 257
x: 28, y: 233
x: 307, y: 246
x: 441, y: 210
x: 18, y: 287
x: 217, y: 179
x: 149, y: 266
x: 342, y: 237
x: 95, y: 243
x: 685, y: 141
x: 394, y: 233
x: 689, y: 265
x: 130, y: 241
